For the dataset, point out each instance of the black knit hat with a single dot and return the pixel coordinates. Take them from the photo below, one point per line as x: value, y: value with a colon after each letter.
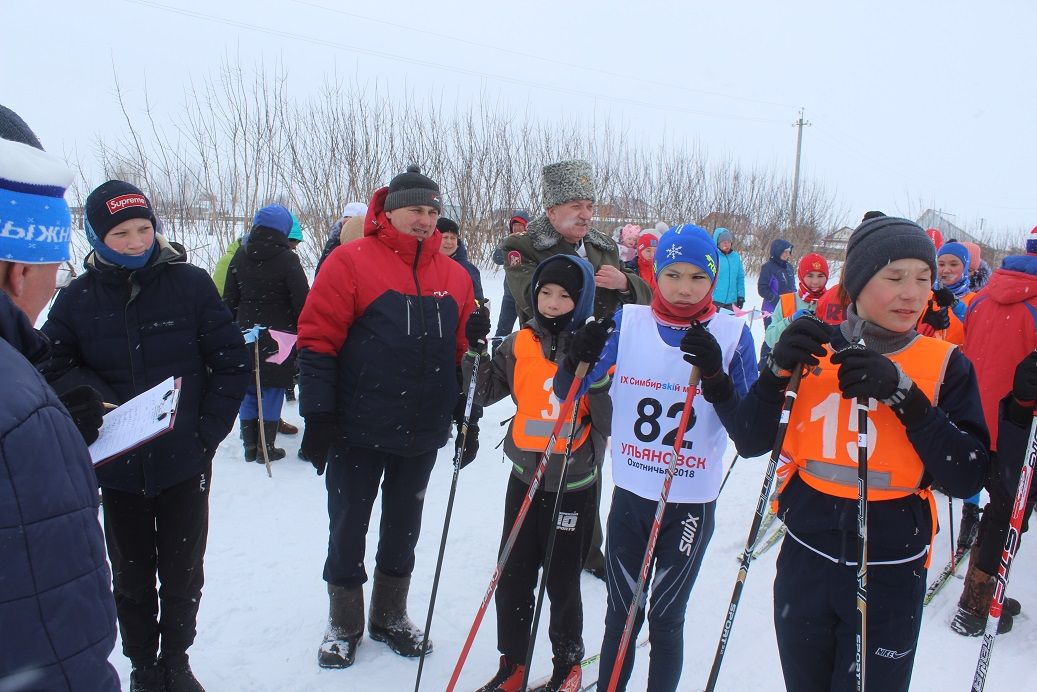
x: 412, y: 188
x: 114, y: 202
x: 565, y: 274
x: 445, y: 225
x: 879, y: 241
x: 12, y: 127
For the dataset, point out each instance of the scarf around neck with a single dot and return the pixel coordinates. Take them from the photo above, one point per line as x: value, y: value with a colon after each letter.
x: 875, y: 337
x: 681, y: 316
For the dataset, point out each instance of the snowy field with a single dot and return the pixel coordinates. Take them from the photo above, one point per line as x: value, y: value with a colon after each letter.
x: 264, y: 606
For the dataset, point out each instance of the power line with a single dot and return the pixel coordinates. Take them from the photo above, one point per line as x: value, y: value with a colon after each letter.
x: 426, y: 63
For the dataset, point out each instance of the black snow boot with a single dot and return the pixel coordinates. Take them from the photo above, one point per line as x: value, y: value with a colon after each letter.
x: 508, y: 678
x: 388, y: 620
x: 270, y: 431
x: 974, y: 605
x: 969, y: 528
x: 147, y: 678
x: 250, y: 438
x: 345, y: 627
x: 179, y: 677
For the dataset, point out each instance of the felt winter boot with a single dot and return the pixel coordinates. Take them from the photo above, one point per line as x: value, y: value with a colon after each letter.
x: 567, y: 677
x: 969, y: 526
x: 250, y: 438
x: 508, y: 678
x: 149, y: 677
x: 974, y: 605
x: 388, y: 620
x: 345, y: 627
x: 179, y: 677
x: 270, y: 431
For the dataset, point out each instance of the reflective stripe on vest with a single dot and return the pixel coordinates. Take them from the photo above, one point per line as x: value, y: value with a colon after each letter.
x: 537, y: 406
x: 822, y: 445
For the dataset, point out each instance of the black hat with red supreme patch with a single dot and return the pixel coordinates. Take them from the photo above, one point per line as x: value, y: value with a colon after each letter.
x: 114, y: 202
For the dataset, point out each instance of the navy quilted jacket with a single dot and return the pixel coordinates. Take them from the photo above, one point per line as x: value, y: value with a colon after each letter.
x: 124, y: 332
x: 57, y: 614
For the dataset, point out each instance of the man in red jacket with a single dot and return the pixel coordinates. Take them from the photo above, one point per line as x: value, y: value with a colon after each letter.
x: 379, y: 340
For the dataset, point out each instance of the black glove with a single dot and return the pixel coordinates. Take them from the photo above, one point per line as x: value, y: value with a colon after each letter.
x: 86, y: 407
x: 938, y: 319
x: 869, y: 374
x: 944, y: 298
x: 587, y: 343
x: 477, y: 328
x: 321, y: 430
x: 1024, y: 384
x: 702, y: 350
x: 802, y: 343
x: 740, y: 302
x: 471, y: 444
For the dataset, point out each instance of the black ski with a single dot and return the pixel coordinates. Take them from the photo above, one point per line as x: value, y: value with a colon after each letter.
x: 941, y: 579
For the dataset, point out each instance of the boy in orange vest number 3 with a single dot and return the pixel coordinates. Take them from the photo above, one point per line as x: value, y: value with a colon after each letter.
x: 925, y: 426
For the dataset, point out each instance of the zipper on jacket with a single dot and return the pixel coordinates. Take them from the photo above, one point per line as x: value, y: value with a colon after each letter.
x: 439, y: 319
x: 417, y: 287
x: 407, y: 298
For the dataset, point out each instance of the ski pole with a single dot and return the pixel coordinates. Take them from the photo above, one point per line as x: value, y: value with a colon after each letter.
x: 950, y: 520
x: 862, y: 539
x: 538, y: 474
x: 552, y: 534
x: 791, y: 391
x: 449, y: 511
x: 727, y: 475
x: 653, y: 535
x: 259, y: 410
x: 1015, y: 527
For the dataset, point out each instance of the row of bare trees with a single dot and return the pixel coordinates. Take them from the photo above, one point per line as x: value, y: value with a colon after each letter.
x: 240, y: 140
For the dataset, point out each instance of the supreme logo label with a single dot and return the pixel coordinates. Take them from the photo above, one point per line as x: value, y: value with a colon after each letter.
x: 117, y: 204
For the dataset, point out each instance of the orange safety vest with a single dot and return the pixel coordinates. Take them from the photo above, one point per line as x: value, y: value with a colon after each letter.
x: 822, y: 446
x: 537, y: 406
x: 955, y: 334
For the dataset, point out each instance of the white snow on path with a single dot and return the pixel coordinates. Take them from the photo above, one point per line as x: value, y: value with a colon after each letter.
x: 264, y: 605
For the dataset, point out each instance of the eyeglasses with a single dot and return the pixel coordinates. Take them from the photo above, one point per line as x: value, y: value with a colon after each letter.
x: 66, y: 272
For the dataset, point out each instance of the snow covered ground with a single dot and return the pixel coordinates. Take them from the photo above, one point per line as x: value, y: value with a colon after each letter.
x: 264, y: 605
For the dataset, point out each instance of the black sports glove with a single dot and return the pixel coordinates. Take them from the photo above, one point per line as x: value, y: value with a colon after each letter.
x: 944, y: 297
x: 702, y: 350
x: 477, y: 328
x: 321, y: 430
x: 740, y: 302
x: 802, y: 343
x: 938, y: 319
x: 587, y: 343
x: 869, y: 374
x: 471, y: 444
x: 1024, y: 384
x: 86, y: 407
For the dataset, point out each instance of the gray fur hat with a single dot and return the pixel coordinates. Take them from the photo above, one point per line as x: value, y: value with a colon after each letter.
x: 568, y: 180
x: 879, y: 241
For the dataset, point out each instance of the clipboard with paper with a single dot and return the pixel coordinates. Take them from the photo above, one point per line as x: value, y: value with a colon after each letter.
x: 139, y: 420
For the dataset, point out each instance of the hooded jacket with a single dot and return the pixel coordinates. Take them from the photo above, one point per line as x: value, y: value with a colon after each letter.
x: 461, y: 257
x: 777, y: 276
x: 730, y: 283
x: 497, y: 380
x: 1001, y: 329
x: 124, y: 331
x: 57, y: 614
x: 266, y: 285
x: 381, y: 335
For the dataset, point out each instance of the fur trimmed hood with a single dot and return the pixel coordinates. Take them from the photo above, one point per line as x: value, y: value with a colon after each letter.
x: 543, y: 235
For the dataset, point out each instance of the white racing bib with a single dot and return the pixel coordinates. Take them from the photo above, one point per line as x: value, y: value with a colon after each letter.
x: 648, y: 393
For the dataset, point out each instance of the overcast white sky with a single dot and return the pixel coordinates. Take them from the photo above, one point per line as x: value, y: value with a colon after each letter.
x: 912, y: 104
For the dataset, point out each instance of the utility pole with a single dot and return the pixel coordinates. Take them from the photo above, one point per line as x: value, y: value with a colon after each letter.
x: 799, y: 125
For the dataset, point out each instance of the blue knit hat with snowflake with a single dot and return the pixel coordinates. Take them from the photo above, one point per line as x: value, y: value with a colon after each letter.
x: 35, y: 224
x: 687, y: 243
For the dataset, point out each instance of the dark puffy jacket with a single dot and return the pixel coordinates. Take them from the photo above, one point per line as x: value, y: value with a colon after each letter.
x: 57, y: 614
x: 777, y: 276
x: 461, y: 257
x: 266, y: 285
x: 124, y: 332
x: 380, y: 338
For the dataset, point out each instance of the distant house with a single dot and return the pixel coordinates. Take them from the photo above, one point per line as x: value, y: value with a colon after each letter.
x: 739, y: 223
x: 934, y: 219
x: 835, y: 242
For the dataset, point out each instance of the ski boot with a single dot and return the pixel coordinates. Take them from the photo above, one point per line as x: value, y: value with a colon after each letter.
x: 388, y: 620
x: 179, y: 677
x: 250, y: 438
x: 969, y: 528
x: 508, y: 677
x: 974, y: 605
x: 567, y: 677
x: 345, y: 627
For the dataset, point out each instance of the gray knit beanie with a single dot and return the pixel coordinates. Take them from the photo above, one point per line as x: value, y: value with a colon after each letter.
x: 567, y: 180
x: 879, y: 241
x: 412, y: 188
x: 12, y: 127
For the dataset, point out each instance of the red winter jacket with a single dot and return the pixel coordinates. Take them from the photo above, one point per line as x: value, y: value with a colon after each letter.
x: 381, y: 335
x: 1000, y: 330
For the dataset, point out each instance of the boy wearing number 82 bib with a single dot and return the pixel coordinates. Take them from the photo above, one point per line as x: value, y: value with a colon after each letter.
x: 653, y: 349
